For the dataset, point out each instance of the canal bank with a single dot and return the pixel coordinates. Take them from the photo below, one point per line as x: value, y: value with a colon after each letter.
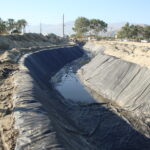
x: 44, y: 116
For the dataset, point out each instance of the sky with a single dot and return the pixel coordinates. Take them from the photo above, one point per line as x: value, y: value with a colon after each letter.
x: 50, y: 11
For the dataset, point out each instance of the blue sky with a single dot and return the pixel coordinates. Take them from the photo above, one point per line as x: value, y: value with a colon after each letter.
x: 50, y: 11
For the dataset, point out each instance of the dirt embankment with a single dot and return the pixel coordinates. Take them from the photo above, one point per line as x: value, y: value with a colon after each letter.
x: 65, y: 126
x: 110, y: 76
x: 135, y: 52
x: 120, y: 74
x: 36, y: 109
x: 27, y: 40
x: 7, y: 132
x: 12, y: 47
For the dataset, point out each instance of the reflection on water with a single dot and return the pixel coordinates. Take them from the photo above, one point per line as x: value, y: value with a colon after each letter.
x: 70, y: 87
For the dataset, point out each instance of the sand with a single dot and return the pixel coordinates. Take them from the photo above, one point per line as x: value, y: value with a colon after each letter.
x: 135, y: 52
x: 7, y: 132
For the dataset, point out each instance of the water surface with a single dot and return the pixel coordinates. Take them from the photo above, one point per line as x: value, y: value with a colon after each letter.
x: 70, y: 87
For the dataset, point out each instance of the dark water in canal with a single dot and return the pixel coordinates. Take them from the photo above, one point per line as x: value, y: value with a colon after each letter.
x: 70, y: 87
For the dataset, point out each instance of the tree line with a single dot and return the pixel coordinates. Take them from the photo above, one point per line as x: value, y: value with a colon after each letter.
x: 84, y: 26
x: 137, y: 32
x: 12, y: 26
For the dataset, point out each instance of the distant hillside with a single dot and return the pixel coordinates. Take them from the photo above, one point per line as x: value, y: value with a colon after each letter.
x: 51, y: 28
x: 113, y: 28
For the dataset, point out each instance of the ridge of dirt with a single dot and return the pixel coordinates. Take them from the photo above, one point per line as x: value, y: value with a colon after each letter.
x: 134, y: 52
x: 8, y: 67
x: 12, y: 48
x: 7, y: 132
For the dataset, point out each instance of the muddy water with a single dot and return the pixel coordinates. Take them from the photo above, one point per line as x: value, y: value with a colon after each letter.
x: 69, y: 86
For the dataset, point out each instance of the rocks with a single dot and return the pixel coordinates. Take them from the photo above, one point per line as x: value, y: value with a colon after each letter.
x: 5, y: 72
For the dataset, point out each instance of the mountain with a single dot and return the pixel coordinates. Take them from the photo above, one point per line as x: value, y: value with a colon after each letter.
x: 112, y: 29
x: 51, y: 28
x: 57, y: 28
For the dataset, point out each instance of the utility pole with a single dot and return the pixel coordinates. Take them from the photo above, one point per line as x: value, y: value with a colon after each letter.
x: 63, y: 26
x: 40, y: 28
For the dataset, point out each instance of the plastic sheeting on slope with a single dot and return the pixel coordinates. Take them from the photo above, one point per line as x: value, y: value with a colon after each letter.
x: 32, y: 121
x: 47, y: 122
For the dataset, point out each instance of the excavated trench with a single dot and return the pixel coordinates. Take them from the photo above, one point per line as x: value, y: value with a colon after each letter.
x: 54, y: 110
x: 67, y: 83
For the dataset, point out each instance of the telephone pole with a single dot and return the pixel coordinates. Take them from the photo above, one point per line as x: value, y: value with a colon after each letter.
x: 40, y: 28
x: 63, y: 26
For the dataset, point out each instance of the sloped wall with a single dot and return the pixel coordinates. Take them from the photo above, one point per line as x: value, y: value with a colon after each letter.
x: 123, y: 83
x: 46, y: 122
x: 36, y: 131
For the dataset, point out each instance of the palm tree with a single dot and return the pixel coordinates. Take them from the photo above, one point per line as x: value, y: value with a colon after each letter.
x: 21, y: 25
x: 11, y: 25
x: 2, y: 26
